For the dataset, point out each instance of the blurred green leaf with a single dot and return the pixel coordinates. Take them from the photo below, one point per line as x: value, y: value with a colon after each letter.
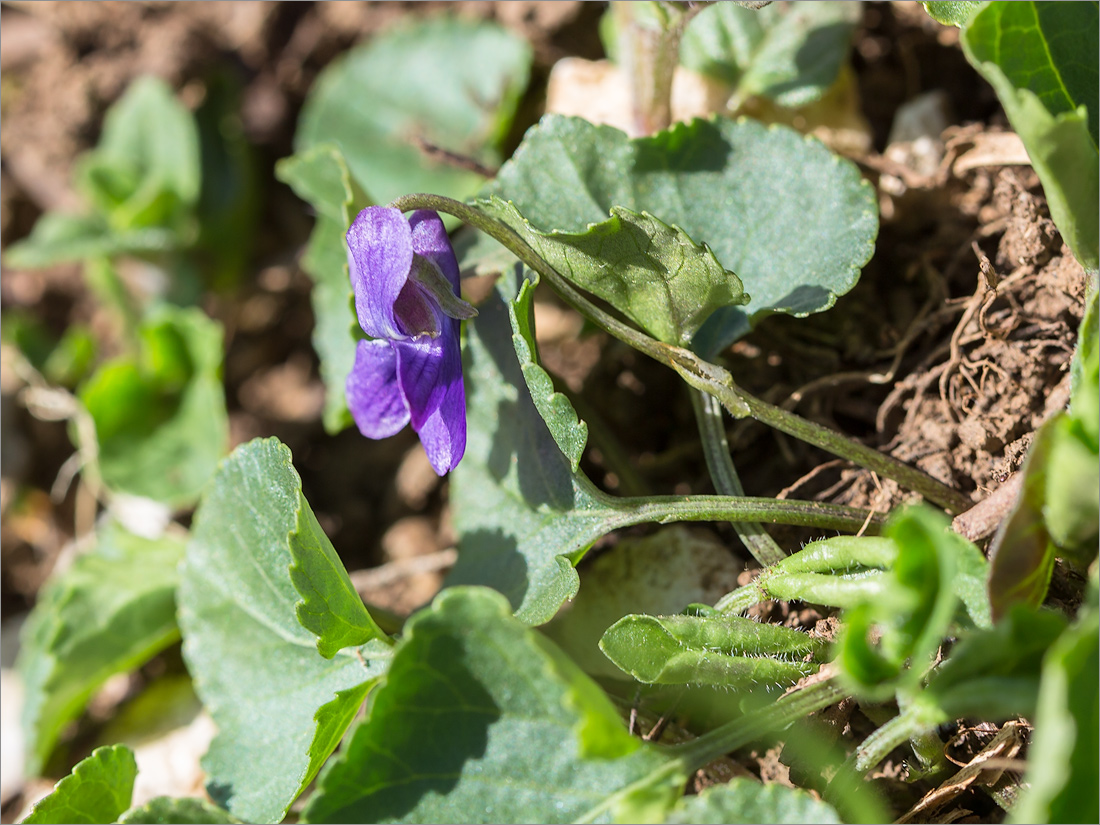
x: 1062, y: 761
x: 97, y: 791
x: 451, y: 83
x: 109, y: 613
x: 160, y: 417
x: 651, y: 272
x: 280, y: 707
x: 788, y: 52
x: 912, y: 614
x: 747, y: 801
x: 1041, y: 59
x: 793, y: 221
x: 517, y: 732
x: 165, y: 810
x: 146, y: 170
x: 229, y: 201
x: 994, y: 673
x: 58, y: 238
x: 320, y: 177
x: 729, y: 651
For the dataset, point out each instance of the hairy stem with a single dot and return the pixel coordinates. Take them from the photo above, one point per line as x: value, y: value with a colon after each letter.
x: 712, y: 430
x: 739, y: 509
x: 914, y: 721
x: 740, y: 732
x: 698, y: 373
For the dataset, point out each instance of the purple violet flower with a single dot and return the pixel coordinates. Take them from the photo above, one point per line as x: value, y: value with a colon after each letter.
x: 405, y: 278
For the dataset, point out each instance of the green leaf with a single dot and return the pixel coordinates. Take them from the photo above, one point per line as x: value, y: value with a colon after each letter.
x: 795, y: 222
x: 747, y: 801
x: 452, y: 83
x: 1041, y: 60
x: 97, y: 791
x: 165, y: 810
x: 108, y: 613
x: 160, y: 418
x: 790, y: 53
x: 146, y: 170
x: 731, y: 651
x: 330, y: 605
x: 229, y: 203
x: 569, y: 432
x: 517, y: 732
x: 58, y: 238
x: 279, y: 706
x: 320, y: 177
x: 952, y: 12
x: 1062, y: 761
x: 653, y: 273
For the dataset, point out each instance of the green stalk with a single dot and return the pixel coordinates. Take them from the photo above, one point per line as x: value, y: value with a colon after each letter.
x: 698, y: 373
x: 740, y: 732
x: 716, y: 448
x: 737, y: 510
x: 916, y: 720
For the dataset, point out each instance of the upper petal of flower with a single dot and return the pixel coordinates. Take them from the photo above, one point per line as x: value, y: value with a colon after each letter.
x: 380, y: 255
x: 429, y: 238
x: 374, y: 395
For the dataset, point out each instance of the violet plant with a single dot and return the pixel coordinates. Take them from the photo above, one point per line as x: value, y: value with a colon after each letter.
x: 493, y: 703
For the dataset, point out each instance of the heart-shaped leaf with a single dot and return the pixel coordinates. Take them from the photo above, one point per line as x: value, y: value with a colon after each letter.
x: 98, y: 790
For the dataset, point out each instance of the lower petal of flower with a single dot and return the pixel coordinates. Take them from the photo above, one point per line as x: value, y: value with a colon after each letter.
x: 443, y: 433
x: 373, y: 392
x: 421, y: 369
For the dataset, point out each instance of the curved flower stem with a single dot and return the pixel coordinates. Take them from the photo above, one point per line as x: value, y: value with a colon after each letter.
x: 712, y: 430
x: 738, y: 510
x: 698, y: 373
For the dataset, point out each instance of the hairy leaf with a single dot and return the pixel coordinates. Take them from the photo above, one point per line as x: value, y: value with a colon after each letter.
x: 97, y: 791
x: 728, y: 651
x: 793, y: 221
x: 279, y: 705
x: 108, y: 613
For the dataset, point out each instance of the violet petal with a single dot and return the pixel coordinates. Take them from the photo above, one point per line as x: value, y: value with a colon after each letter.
x: 429, y: 238
x: 380, y: 254
x: 443, y: 433
x: 373, y: 393
x: 420, y: 370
